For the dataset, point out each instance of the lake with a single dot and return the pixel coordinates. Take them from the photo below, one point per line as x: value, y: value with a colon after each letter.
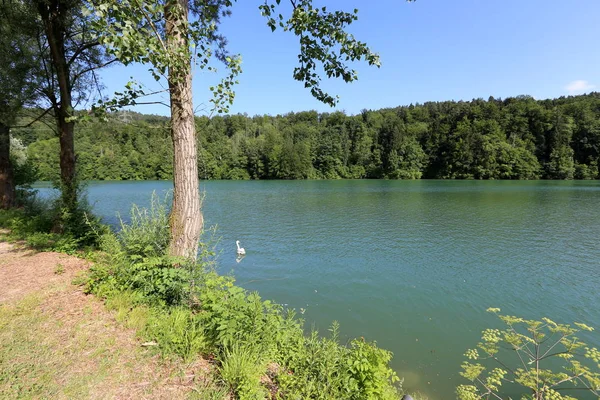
x: 411, y: 264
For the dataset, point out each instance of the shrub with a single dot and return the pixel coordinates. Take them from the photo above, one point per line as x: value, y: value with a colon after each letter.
x: 320, y: 365
x: 135, y: 259
x: 232, y: 315
x: 158, y: 280
x: 52, y: 242
x: 36, y: 216
x: 75, y: 220
x: 24, y: 173
x: 538, y: 345
x: 368, y: 367
x: 41, y: 224
x: 147, y: 234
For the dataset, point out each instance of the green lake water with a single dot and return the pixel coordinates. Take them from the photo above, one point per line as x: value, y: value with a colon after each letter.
x: 411, y: 264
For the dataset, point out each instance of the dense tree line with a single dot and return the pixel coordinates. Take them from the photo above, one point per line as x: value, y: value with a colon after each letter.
x: 515, y: 138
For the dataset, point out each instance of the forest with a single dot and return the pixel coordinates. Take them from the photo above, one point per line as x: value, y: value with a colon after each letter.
x: 514, y: 138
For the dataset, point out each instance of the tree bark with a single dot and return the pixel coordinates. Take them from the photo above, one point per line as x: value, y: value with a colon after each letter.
x: 67, y: 161
x: 7, y: 185
x: 186, y: 219
x: 54, y: 14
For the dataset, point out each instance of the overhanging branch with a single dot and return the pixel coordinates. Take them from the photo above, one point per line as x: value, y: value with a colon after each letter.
x: 81, y: 49
x: 35, y: 120
x: 85, y: 71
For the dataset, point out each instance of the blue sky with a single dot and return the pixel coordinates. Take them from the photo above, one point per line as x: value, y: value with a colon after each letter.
x: 431, y: 50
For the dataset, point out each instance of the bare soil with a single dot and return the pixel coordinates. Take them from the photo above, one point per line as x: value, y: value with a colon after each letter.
x: 23, y: 271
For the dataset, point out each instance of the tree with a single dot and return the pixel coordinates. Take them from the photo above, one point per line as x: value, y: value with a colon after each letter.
x: 432, y: 139
x: 69, y: 55
x: 560, y: 164
x: 160, y: 33
x: 538, y: 345
x: 16, y: 83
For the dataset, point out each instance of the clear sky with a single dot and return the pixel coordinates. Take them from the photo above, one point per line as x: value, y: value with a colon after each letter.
x: 431, y: 50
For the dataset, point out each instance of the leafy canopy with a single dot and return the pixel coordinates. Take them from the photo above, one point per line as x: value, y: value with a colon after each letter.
x: 136, y: 31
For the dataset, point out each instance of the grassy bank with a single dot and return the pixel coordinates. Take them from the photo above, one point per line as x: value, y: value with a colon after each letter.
x: 184, y: 310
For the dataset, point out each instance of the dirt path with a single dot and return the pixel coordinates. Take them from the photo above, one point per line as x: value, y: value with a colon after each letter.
x: 23, y: 271
x: 56, y: 342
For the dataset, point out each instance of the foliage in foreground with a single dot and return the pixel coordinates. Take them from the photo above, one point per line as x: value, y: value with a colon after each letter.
x: 260, y: 348
x: 536, y: 346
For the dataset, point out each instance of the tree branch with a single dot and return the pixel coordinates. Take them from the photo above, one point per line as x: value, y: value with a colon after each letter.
x: 151, y: 102
x: 81, y: 49
x: 85, y: 71
x: 152, y: 26
x: 48, y: 76
x: 35, y: 120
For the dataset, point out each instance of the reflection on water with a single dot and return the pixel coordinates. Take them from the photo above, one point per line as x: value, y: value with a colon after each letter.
x: 413, y: 265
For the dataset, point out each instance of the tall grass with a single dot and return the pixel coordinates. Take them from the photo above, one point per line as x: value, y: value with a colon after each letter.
x: 241, y: 368
x: 147, y: 233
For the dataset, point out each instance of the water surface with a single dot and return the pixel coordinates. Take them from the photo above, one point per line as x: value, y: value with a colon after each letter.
x: 411, y: 264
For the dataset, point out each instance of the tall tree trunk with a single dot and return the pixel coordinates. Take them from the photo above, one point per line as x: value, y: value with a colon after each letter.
x: 7, y: 185
x: 67, y: 160
x: 54, y: 14
x: 186, y: 216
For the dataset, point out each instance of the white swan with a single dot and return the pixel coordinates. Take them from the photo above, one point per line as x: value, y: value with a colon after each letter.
x: 240, y: 250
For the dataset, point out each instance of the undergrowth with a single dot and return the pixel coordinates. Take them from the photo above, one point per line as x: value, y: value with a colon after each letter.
x: 183, y: 308
x: 40, y: 224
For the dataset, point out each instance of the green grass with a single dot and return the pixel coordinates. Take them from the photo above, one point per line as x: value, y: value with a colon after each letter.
x: 50, y: 349
x: 31, y: 365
